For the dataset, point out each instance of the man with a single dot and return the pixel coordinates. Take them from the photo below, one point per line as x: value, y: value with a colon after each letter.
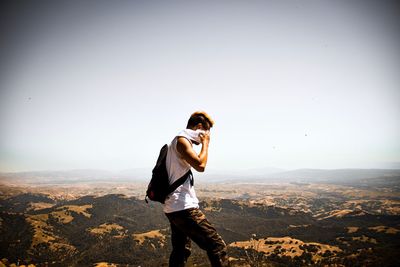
x: 182, y: 206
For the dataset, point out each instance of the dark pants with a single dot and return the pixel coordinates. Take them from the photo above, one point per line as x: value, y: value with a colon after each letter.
x: 191, y: 224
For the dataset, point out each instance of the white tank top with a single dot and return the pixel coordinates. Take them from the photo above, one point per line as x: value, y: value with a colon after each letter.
x: 184, y: 197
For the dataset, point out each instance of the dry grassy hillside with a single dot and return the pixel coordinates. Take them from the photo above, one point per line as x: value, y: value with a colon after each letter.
x: 301, y: 224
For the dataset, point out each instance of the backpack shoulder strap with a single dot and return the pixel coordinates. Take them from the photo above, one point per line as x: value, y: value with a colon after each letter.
x: 180, y: 182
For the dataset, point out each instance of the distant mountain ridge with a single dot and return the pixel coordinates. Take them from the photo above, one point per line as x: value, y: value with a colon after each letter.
x: 251, y: 175
x: 77, y: 176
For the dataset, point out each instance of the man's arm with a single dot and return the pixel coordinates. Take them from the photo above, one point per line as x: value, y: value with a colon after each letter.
x: 198, y: 162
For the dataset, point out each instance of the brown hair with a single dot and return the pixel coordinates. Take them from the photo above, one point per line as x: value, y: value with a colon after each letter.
x: 200, y: 117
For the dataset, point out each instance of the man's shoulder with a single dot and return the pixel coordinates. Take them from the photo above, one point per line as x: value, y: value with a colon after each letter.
x: 184, y: 141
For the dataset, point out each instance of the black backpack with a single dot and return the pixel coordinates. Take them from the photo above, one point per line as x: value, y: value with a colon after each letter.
x: 159, y: 187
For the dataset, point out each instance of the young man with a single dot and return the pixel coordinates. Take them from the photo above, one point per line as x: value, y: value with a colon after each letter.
x: 182, y: 206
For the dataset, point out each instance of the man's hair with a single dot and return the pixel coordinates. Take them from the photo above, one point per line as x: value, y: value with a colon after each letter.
x: 200, y: 117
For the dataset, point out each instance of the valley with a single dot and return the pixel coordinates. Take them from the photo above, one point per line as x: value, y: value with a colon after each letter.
x: 264, y: 224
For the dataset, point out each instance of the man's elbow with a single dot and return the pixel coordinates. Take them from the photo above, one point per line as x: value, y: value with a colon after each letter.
x: 200, y: 168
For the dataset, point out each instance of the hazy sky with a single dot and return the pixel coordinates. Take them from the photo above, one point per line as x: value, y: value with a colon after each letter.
x: 290, y: 84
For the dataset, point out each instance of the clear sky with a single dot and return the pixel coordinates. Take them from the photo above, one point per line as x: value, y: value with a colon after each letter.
x: 290, y: 84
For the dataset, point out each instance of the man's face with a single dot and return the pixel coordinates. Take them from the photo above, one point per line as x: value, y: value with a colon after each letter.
x: 200, y: 126
x: 205, y: 127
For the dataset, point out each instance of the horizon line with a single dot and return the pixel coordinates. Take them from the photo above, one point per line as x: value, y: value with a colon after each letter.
x: 210, y: 170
